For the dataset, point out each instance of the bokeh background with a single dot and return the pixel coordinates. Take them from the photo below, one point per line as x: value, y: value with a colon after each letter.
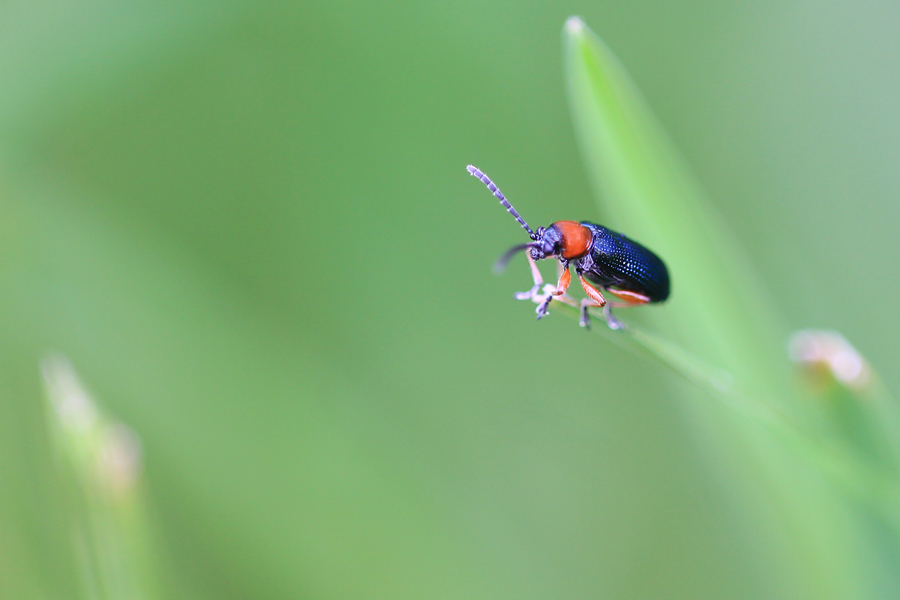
x: 249, y: 228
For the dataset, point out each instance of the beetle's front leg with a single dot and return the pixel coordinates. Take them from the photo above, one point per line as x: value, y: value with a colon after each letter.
x: 534, y: 292
x: 538, y: 281
x: 543, y: 307
x: 565, y: 278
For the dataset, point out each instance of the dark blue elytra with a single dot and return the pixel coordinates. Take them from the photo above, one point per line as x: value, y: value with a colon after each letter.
x: 619, y: 262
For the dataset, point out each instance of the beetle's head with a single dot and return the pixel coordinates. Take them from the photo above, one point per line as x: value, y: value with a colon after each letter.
x: 547, y: 243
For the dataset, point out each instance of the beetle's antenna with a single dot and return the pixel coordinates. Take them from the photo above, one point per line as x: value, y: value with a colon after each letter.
x: 500, y: 265
x: 476, y: 172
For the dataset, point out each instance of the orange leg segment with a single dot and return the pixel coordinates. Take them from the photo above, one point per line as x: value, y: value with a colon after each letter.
x: 595, y: 298
x: 592, y: 292
x: 565, y: 278
x: 630, y: 298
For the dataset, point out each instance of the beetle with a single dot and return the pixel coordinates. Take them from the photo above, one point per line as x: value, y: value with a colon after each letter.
x: 615, y: 263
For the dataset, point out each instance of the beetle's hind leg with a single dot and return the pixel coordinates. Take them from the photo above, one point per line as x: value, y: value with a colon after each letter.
x: 611, y: 320
x: 630, y: 299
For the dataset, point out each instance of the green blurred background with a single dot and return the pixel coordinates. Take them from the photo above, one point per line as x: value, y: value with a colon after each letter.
x: 249, y: 227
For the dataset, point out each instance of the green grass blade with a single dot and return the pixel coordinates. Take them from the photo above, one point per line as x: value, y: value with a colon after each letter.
x: 717, y: 310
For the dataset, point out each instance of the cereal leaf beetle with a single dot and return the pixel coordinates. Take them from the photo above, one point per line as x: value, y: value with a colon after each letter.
x: 613, y: 262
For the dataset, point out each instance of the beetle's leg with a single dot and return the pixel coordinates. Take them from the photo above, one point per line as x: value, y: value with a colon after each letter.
x: 538, y: 280
x: 565, y: 278
x: 565, y: 297
x: 534, y: 292
x: 595, y: 298
x: 549, y: 292
x: 542, y: 307
x: 592, y: 292
x: 630, y: 299
x: 613, y: 322
x: 585, y: 320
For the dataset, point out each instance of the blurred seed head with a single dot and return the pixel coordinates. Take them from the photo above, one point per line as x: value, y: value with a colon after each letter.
x: 99, y: 445
x: 73, y: 405
x: 829, y: 354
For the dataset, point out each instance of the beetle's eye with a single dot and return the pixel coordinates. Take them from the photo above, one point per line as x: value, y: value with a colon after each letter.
x: 549, y: 248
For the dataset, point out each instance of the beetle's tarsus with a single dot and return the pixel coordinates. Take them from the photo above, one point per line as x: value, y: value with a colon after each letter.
x: 542, y: 307
x: 585, y: 320
x: 530, y: 293
x: 613, y: 322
